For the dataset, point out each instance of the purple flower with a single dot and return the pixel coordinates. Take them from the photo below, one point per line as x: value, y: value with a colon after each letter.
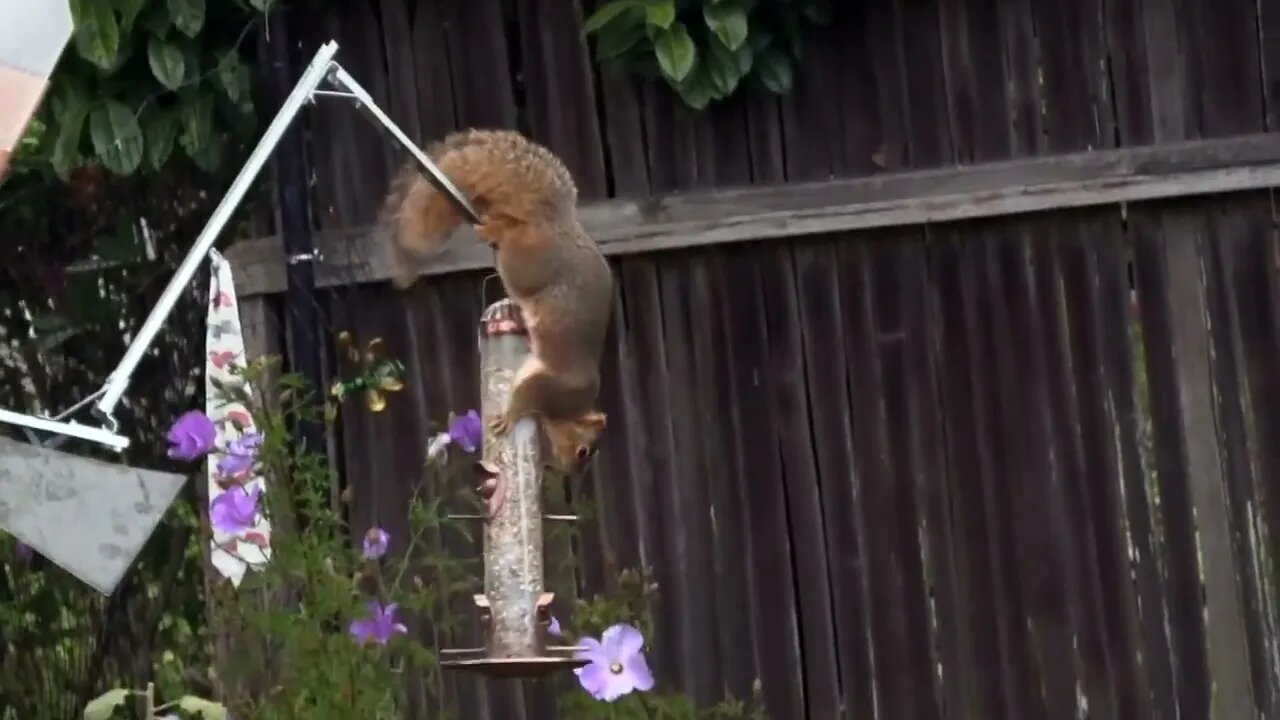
x: 616, y: 664
x: 246, y: 444
x: 232, y: 465
x: 375, y: 543
x: 241, y: 454
x: 554, y: 627
x: 379, y: 626
x: 191, y: 436
x: 235, y: 510
x: 23, y: 552
x: 466, y: 432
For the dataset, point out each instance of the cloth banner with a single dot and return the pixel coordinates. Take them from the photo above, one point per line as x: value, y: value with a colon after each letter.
x: 232, y: 553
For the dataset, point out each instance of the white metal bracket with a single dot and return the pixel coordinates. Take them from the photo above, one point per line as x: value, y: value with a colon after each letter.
x: 322, y: 69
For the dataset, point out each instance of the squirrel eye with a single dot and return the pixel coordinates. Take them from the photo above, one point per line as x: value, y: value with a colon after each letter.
x: 583, y: 452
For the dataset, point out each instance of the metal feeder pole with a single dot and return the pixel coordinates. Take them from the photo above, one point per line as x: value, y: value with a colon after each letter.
x: 514, y: 609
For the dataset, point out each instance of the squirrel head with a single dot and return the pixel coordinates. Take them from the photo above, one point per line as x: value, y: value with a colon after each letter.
x: 573, y: 442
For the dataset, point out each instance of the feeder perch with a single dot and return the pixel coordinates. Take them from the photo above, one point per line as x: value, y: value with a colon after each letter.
x: 514, y: 609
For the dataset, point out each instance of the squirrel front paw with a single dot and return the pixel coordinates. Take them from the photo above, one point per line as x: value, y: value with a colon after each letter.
x: 500, y: 425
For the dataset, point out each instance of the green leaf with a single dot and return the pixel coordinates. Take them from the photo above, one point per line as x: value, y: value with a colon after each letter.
x: 207, y: 708
x: 191, y: 61
x: 161, y: 132
x: 774, y: 69
x: 728, y: 22
x: 676, y: 52
x: 234, y: 78
x: 104, y: 706
x: 167, y: 63
x: 66, y: 148
x: 209, y: 157
x: 157, y: 20
x: 196, y: 116
x: 619, y: 37
x: 720, y: 69
x: 188, y: 16
x: 97, y: 35
x: 116, y: 136
x: 742, y: 59
x: 697, y: 91
x: 607, y: 13
x: 129, y: 10
x: 660, y: 13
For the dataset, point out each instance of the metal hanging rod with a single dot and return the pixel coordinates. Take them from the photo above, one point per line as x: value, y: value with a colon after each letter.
x: 322, y: 69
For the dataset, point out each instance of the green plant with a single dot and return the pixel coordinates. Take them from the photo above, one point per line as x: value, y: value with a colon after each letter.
x: 298, y: 626
x: 705, y: 49
x: 107, y: 704
x: 141, y: 79
x: 321, y: 630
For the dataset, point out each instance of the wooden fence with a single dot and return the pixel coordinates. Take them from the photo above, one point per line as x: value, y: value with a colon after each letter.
x: 994, y: 441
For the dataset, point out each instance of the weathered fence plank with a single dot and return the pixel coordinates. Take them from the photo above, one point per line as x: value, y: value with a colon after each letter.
x: 822, y: 314
x: 790, y: 410
x: 559, y: 94
x: 724, y: 216
x: 721, y: 466
x: 775, y: 621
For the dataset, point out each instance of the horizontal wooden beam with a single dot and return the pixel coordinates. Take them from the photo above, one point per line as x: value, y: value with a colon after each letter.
x: 693, y: 219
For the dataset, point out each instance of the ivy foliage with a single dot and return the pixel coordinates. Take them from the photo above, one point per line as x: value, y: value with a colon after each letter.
x: 706, y: 49
x: 143, y: 81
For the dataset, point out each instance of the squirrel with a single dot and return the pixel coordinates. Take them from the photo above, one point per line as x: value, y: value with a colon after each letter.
x: 554, y: 272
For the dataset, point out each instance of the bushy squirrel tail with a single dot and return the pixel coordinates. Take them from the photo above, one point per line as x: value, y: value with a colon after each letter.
x: 500, y: 171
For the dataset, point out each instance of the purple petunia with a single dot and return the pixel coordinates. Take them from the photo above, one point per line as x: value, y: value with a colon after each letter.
x: 375, y: 543
x: 466, y: 431
x: 616, y: 664
x: 235, y: 510
x: 192, y: 436
x: 379, y: 626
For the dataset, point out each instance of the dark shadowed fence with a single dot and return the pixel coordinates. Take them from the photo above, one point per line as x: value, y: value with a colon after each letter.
x: 996, y: 441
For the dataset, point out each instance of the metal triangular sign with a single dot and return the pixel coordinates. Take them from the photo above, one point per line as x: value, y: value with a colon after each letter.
x: 89, y: 517
x: 32, y: 37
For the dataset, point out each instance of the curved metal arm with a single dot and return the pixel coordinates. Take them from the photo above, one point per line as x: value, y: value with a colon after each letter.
x: 343, y: 79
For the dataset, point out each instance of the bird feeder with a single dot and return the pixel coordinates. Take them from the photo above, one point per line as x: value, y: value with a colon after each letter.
x: 515, y: 607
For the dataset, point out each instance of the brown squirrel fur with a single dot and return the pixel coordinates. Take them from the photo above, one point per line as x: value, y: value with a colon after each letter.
x: 527, y: 203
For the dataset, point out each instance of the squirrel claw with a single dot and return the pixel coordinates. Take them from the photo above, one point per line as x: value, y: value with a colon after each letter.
x: 499, y: 426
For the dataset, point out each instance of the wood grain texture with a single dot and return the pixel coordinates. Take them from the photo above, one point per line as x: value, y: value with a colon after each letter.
x: 741, y: 215
x: 927, y: 381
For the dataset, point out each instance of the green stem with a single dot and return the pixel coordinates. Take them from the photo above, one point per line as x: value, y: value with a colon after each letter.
x: 644, y: 703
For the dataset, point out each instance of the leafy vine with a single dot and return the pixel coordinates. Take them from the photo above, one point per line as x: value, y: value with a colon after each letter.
x: 142, y: 79
x: 706, y: 49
